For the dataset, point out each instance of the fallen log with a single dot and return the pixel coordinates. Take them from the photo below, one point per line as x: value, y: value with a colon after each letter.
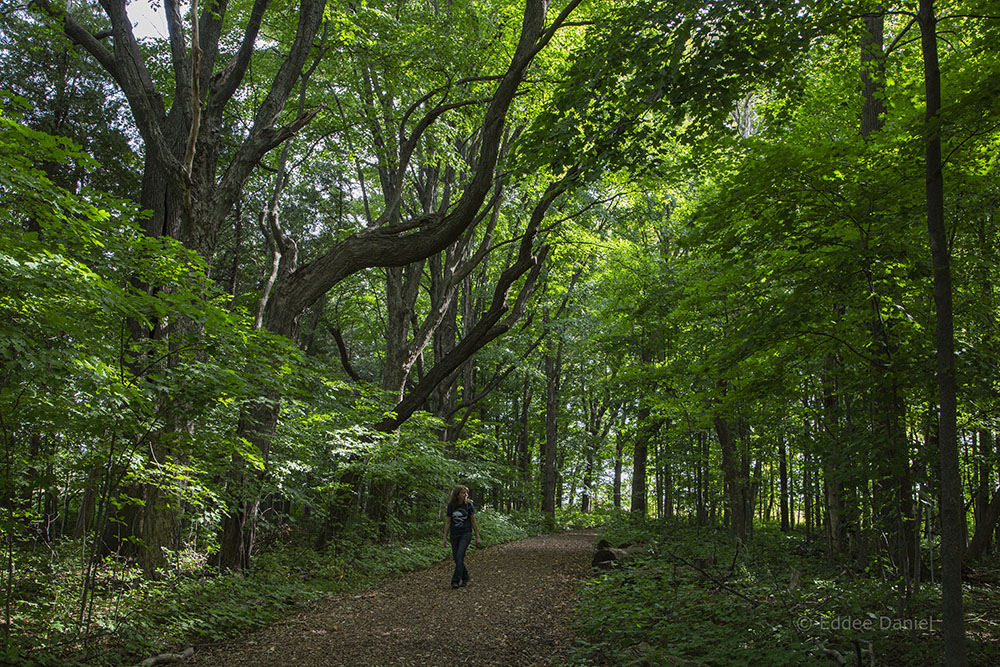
x: 609, y: 557
x: 166, y: 658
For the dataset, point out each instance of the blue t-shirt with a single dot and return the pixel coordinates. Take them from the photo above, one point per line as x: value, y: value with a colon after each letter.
x: 461, y: 518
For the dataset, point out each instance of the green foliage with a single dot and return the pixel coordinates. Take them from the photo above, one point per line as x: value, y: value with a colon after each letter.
x: 61, y: 95
x: 85, y: 387
x: 623, y: 102
x: 738, y: 251
x: 690, y: 595
x: 499, y: 528
x: 571, y: 518
x: 190, y: 603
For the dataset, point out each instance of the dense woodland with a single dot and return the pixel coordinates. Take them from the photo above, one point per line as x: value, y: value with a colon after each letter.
x: 290, y: 270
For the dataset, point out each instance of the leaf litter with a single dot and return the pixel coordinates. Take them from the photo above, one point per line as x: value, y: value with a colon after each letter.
x: 517, y: 610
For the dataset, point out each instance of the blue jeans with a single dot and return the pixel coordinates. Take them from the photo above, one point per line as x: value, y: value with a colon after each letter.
x: 459, y: 544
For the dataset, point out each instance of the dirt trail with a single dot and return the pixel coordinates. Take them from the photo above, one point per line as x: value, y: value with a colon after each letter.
x: 515, y: 611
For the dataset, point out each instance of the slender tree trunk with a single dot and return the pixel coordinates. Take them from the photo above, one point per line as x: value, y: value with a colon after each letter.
x: 873, y: 73
x: 619, y: 455
x: 701, y: 515
x: 586, y: 499
x: 807, y: 491
x: 658, y: 476
x: 752, y: 494
x: 783, y: 485
x: 831, y: 456
x: 982, y: 496
x: 952, y: 509
x: 85, y: 518
x: 553, y: 380
x: 523, y: 446
x: 985, y: 527
x: 668, y: 490
x: 234, y: 268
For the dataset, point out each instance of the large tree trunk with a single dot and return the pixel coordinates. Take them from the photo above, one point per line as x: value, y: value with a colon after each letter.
x: 640, y: 462
x: 402, y: 289
x: 873, y: 73
x: 182, y: 150
x: 952, y: 508
x: 238, y: 529
x: 735, y: 483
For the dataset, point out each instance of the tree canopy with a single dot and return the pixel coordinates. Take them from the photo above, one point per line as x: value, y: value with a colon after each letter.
x: 300, y: 267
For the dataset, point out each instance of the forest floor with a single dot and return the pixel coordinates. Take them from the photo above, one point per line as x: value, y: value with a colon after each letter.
x: 516, y: 610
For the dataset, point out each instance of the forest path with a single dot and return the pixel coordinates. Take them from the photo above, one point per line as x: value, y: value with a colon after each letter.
x: 516, y: 611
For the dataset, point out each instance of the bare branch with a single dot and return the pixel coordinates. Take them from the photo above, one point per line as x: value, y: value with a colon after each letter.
x: 195, y: 101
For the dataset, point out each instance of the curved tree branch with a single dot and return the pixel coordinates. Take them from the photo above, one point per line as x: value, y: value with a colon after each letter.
x: 498, y: 320
x: 227, y: 80
x: 429, y: 233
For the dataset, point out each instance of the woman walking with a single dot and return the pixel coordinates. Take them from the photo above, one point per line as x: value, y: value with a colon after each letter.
x: 461, y: 521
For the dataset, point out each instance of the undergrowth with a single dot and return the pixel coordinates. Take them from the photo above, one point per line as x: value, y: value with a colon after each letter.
x: 687, y: 594
x: 191, y: 604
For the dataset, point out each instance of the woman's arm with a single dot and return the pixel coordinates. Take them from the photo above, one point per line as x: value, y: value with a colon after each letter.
x: 447, y: 524
x: 475, y: 527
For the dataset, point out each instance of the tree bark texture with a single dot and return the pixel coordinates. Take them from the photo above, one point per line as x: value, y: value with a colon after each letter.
x: 735, y: 483
x: 873, y: 73
x: 640, y: 462
x: 952, y: 509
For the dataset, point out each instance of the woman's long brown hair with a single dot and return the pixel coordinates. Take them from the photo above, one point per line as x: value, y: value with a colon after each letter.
x: 453, y: 500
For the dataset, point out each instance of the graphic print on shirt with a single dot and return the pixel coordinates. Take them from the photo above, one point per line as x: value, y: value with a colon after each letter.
x: 458, y: 518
